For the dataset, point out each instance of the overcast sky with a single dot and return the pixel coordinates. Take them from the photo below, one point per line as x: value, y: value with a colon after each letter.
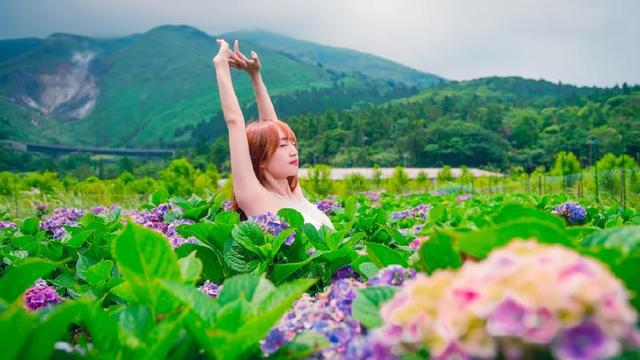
x: 586, y: 42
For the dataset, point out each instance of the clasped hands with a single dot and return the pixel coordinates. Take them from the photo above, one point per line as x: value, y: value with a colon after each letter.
x: 237, y: 59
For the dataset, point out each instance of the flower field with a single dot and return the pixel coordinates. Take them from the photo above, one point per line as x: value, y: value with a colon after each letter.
x: 422, y: 275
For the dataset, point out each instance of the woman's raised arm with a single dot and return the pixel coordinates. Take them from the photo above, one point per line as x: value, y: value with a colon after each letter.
x: 252, y: 66
x: 245, y: 183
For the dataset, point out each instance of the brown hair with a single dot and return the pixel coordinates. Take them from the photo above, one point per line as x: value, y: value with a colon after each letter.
x: 264, y: 139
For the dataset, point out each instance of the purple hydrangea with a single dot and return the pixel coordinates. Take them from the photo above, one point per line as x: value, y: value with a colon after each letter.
x: 174, y: 238
x: 327, y: 206
x: 344, y: 273
x: 272, y: 224
x: 41, y: 295
x: 585, y: 341
x: 328, y: 313
x: 7, y: 224
x: 210, y: 289
x: 392, y: 275
x: 419, y: 212
x: 41, y: 207
x: 58, y: 219
x: 155, y: 219
x: 571, y: 211
x: 507, y: 319
x: 98, y: 210
x: 463, y: 198
x: 227, y: 205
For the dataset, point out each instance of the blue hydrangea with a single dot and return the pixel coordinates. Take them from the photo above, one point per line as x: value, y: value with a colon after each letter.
x: 272, y: 224
x: 571, y: 211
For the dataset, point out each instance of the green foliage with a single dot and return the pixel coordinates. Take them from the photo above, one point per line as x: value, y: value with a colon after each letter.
x: 319, y: 179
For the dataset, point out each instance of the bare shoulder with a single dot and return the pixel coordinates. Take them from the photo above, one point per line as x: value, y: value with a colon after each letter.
x: 259, y: 202
x: 298, y: 192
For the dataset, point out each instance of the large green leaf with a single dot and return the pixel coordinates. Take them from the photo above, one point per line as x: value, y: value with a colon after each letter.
x: 624, y: 238
x: 438, y: 253
x: 18, y: 279
x: 282, y: 271
x: 366, y: 306
x: 144, y: 257
x: 382, y: 255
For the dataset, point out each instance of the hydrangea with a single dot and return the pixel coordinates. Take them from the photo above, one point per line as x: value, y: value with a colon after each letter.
x: 413, y: 231
x: 272, y: 224
x: 327, y: 206
x: 330, y: 314
x: 155, y: 219
x: 419, y: 212
x: 344, y: 273
x: 392, y: 275
x: 571, y: 211
x: 463, y: 198
x: 210, y: 289
x: 523, y: 296
x: 227, y: 205
x: 58, y: 219
x: 7, y: 225
x: 41, y: 207
x: 41, y: 295
x: 417, y: 242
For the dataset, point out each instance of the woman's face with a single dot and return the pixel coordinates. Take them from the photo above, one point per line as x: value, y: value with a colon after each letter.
x: 284, y: 161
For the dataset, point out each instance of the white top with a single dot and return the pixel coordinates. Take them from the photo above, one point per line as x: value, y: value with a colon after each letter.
x: 309, y: 211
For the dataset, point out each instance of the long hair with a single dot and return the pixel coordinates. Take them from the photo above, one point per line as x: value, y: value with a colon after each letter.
x: 264, y: 139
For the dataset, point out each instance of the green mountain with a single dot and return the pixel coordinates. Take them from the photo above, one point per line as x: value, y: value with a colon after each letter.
x: 158, y: 88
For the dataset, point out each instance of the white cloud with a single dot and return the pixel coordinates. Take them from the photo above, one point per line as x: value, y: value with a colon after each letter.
x: 591, y: 42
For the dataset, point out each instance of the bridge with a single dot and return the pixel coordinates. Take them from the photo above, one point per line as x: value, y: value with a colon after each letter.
x: 67, y: 149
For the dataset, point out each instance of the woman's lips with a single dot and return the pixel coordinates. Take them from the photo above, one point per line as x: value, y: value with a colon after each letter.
x: 294, y: 162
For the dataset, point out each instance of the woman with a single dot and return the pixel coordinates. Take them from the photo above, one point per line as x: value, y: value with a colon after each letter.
x: 264, y: 155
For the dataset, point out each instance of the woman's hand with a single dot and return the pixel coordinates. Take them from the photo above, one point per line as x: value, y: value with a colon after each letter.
x: 224, y: 54
x: 239, y: 61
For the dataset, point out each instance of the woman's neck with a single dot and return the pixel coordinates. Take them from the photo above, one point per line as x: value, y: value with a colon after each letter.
x: 278, y: 186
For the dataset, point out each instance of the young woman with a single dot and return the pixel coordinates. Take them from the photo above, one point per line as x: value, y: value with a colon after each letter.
x: 264, y: 154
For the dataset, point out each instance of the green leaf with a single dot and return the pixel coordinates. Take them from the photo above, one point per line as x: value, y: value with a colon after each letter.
x: 99, y: 274
x: 382, y: 255
x: 78, y: 239
x: 237, y: 286
x: 30, y: 226
x: 18, y: 279
x: 368, y: 269
x: 282, y: 271
x: 190, y: 268
x: 228, y: 217
x: 292, y: 217
x: 314, y: 237
x: 397, y: 237
x: 479, y: 243
x: 231, y: 316
x: 624, y: 238
x: 213, y: 266
x: 279, y: 240
x: 160, y: 196
x: 144, y: 256
x: 302, y: 346
x: 53, y: 327
x: 200, y: 304
x: 249, y: 235
x: 16, y: 324
x: 438, y: 253
x: 366, y: 306
x: 238, y: 258
x: 511, y: 212
x: 268, y: 314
